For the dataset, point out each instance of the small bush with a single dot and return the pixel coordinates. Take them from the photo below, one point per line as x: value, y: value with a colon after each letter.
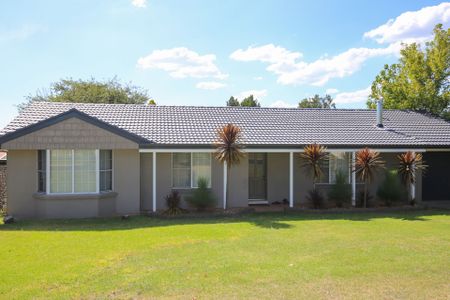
x: 173, y: 201
x: 316, y: 199
x: 202, y: 197
x: 341, y: 191
x: 391, y: 189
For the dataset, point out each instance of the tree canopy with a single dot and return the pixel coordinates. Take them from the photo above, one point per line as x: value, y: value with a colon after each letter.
x: 249, y: 101
x: 420, y: 79
x: 233, y: 101
x: 91, y: 91
x: 317, y: 102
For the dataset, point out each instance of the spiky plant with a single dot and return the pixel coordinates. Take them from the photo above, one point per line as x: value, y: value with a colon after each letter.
x: 312, y: 158
x: 367, y: 163
x: 229, y: 148
x: 409, y: 163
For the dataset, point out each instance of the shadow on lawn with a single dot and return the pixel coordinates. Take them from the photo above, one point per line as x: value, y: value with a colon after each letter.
x: 268, y: 220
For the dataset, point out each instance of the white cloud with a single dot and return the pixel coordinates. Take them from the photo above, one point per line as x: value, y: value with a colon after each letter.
x: 139, y: 3
x: 359, y: 96
x: 291, y: 71
x: 412, y: 25
x: 181, y: 63
x: 282, y: 104
x: 331, y: 91
x: 268, y: 53
x: 258, y: 94
x: 210, y: 85
x: 21, y: 33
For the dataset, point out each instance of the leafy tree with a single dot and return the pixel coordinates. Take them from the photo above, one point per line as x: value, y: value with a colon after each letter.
x: 317, y: 102
x: 420, y: 80
x: 229, y: 148
x: 151, y: 102
x: 233, y: 101
x: 250, y: 101
x: 90, y: 91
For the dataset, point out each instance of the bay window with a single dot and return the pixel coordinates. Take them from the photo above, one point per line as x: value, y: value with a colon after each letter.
x: 187, y: 168
x: 74, y: 171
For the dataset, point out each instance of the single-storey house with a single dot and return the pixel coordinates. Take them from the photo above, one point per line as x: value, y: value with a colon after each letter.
x: 87, y: 160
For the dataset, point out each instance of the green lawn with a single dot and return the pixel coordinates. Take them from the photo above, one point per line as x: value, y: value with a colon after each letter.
x: 389, y: 255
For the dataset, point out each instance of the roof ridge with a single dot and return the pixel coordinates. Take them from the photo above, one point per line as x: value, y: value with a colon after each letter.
x: 219, y: 106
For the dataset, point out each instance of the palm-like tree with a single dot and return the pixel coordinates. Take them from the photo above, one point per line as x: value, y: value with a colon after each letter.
x: 409, y: 164
x: 367, y: 163
x: 229, y: 149
x: 312, y: 158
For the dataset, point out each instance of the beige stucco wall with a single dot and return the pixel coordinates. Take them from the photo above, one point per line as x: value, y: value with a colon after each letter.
x: 72, y: 133
x: 127, y: 181
x: 22, y: 183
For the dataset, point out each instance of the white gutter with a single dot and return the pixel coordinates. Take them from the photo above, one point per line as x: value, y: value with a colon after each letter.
x: 283, y: 150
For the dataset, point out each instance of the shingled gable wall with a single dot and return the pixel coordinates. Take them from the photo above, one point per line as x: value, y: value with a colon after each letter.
x: 72, y: 133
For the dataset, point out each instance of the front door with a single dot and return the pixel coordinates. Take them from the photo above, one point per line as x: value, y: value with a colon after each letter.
x: 257, y: 176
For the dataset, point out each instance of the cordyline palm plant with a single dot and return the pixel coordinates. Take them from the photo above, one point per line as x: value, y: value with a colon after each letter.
x: 409, y: 164
x: 367, y: 163
x: 229, y: 149
x: 311, y: 158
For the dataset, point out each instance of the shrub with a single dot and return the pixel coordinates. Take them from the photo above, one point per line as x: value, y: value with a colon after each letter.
x: 341, y: 191
x: 173, y: 201
x: 202, y: 197
x: 316, y: 199
x: 391, y: 189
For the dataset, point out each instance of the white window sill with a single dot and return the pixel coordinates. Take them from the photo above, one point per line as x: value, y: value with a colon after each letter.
x: 81, y: 196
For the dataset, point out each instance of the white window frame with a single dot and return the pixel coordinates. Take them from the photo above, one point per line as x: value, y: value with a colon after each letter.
x: 97, y: 174
x: 192, y: 177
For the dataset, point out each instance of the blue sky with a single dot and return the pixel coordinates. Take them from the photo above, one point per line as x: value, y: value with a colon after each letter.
x: 202, y: 52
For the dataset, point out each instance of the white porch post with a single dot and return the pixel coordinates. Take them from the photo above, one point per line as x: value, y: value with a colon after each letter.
x: 154, y: 181
x: 291, y: 179
x: 413, y: 185
x: 225, y: 170
x: 353, y: 179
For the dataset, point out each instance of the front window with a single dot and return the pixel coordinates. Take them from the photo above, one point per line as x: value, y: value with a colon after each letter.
x: 339, y: 162
x: 187, y: 168
x: 74, y: 171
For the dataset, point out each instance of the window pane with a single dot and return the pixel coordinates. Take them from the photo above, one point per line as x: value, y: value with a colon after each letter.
x: 181, y: 170
x: 105, y: 159
x: 105, y: 170
x: 42, y: 158
x: 339, y: 161
x: 61, y: 171
x: 85, y: 171
x: 105, y: 181
x: 201, y: 167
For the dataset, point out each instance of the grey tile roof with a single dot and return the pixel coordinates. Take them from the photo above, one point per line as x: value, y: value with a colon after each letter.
x: 197, y: 125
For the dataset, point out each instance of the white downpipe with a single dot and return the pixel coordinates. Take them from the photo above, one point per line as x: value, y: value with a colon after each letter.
x: 353, y: 179
x: 154, y: 182
x: 413, y: 185
x: 291, y: 179
x: 225, y: 173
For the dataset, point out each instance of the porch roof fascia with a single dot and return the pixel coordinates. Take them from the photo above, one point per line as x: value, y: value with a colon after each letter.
x: 280, y: 150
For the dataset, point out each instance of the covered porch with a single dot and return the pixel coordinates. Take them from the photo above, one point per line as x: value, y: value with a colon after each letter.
x: 264, y: 176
